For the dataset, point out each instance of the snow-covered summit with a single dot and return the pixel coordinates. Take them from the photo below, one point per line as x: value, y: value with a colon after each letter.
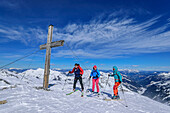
x: 130, y: 70
x: 166, y: 75
x: 25, y: 97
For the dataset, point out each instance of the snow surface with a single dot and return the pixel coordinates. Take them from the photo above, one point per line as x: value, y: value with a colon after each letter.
x: 130, y: 70
x: 166, y: 75
x: 26, y: 98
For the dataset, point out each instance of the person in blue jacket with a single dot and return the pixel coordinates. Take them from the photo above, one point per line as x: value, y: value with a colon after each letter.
x: 118, y: 80
x: 95, y: 74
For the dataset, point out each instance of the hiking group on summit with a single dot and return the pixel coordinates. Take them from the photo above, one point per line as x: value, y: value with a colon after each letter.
x: 95, y: 75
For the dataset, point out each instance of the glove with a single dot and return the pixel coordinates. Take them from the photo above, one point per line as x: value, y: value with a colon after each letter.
x: 110, y: 75
x: 120, y: 81
x: 89, y: 77
x: 81, y: 75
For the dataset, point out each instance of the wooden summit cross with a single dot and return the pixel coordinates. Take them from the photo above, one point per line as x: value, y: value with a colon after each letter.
x: 48, y: 47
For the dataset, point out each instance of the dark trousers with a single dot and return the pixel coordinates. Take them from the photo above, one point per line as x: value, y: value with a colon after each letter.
x: 80, y: 80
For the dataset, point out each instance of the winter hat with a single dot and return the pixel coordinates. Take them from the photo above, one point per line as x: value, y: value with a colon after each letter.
x: 94, y: 66
x: 76, y: 64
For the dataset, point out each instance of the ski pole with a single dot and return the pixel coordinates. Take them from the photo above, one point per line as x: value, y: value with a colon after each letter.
x: 100, y: 85
x: 65, y: 81
x: 105, y: 85
x: 88, y: 80
x: 124, y: 95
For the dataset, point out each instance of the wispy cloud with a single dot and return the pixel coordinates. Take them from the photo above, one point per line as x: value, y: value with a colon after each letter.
x: 12, y: 56
x: 168, y: 20
x: 114, y: 37
x: 104, y: 37
x: 9, y: 3
x: 135, y: 65
x: 26, y: 35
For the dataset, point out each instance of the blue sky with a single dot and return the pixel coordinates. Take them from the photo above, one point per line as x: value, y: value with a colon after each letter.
x: 132, y: 34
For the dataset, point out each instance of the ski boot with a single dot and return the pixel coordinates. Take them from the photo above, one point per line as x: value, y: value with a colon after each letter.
x: 114, y: 97
x: 117, y: 97
x: 82, y: 94
x: 98, y: 94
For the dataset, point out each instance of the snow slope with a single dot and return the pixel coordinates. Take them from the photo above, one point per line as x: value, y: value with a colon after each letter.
x: 26, y: 98
x: 157, y: 87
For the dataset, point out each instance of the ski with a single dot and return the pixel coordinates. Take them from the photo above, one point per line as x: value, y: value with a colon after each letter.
x: 71, y: 92
x: 113, y: 99
x: 3, y: 102
x: 93, y: 95
x: 90, y: 95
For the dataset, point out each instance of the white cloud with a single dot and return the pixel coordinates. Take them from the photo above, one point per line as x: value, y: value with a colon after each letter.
x: 101, y: 38
x: 25, y: 35
x: 135, y: 65
x: 9, y: 3
x: 168, y: 20
x: 115, y: 38
x: 12, y: 56
x: 102, y: 64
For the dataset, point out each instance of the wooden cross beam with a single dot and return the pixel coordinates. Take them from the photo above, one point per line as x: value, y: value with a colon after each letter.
x: 53, y: 44
x: 48, y: 47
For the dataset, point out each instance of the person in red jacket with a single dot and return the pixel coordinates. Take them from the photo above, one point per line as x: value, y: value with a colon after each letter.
x: 78, y: 71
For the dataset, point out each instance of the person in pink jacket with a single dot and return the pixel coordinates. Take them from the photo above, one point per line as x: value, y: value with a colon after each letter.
x: 95, y: 74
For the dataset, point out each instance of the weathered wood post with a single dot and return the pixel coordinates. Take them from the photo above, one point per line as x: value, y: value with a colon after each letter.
x: 48, y: 47
x: 48, y: 56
